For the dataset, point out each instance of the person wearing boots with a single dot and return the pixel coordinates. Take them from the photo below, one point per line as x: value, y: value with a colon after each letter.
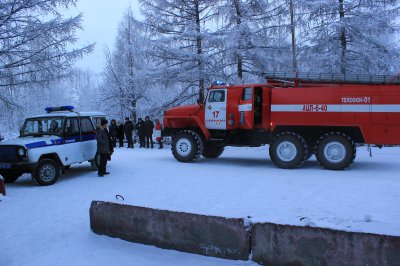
x: 113, y: 132
x: 149, y: 126
x: 128, y: 128
x: 158, y: 133
x: 120, y: 134
x: 103, y: 146
x: 141, y: 132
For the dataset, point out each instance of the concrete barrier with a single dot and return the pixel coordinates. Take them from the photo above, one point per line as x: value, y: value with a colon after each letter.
x: 274, y: 244
x: 271, y: 244
x: 204, y: 235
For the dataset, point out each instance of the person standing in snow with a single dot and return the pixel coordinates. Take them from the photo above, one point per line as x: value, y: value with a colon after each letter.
x: 128, y: 128
x: 149, y: 126
x: 120, y: 134
x: 113, y: 132
x: 158, y: 133
x: 103, y: 146
x: 141, y: 132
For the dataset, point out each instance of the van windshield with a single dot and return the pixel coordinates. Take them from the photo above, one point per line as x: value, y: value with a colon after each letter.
x: 43, y: 126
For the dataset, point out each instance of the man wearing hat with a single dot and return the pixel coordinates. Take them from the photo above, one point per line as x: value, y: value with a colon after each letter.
x: 103, y: 146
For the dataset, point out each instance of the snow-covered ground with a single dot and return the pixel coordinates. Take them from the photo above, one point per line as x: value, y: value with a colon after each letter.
x: 50, y: 225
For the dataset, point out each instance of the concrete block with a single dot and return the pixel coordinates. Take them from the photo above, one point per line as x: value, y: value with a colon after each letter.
x: 274, y: 244
x: 200, y: 234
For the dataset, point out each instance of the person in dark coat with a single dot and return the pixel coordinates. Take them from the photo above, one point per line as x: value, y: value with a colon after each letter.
x: 141, y: 132
x: 103, y: 146
x: 120, y: 134
x: 128, y: 128
x: 149, y: 126
x: 113, y: 132
x: 110, y: 143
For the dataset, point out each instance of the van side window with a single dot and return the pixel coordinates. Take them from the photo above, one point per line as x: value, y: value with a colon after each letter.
x: 247, y: 94
x: 216, y: 96
x: 72, y: 127
x: 87, y: 126
x: 97, y: 120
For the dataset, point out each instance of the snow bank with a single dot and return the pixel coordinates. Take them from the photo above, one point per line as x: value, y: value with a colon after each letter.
x: 242, y: 182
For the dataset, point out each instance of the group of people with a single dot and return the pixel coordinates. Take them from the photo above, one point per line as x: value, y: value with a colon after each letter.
x: 107, y: 136
x: 144, y: 129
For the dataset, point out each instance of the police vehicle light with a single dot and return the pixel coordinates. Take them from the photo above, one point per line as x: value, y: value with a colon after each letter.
x: 60, y: 108
x: 218, y: 83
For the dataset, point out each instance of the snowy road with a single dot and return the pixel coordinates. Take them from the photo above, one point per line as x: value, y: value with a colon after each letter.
x: 50, y: 225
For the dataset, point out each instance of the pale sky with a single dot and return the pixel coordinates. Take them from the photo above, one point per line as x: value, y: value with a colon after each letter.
x: 100, y: 23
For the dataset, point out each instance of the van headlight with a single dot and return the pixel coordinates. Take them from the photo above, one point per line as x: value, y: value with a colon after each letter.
x: 21, y: 152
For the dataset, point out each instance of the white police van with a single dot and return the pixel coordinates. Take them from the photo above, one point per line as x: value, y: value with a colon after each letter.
x: 49, y: 144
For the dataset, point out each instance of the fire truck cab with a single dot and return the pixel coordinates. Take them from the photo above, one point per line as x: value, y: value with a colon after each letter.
x: 297, y: 116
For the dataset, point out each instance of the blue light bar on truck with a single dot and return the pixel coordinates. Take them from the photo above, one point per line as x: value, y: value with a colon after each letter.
x: 59, y: 108
x: 219, y: 83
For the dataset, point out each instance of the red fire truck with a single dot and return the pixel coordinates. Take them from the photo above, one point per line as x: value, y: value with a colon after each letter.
x: 297, y: 114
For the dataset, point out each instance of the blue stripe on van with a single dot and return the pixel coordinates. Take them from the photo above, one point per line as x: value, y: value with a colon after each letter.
x: 36, y: 145
x: 61, y: 141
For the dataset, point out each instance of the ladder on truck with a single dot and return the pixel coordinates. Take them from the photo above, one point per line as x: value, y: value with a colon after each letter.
x: 309, y: 77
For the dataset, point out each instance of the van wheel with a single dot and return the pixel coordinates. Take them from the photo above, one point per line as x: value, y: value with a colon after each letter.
x: 11, y: 177
x: 47, y: 172
x: 212, y: 151
x: 335, y: 151
x: 186, y: 146
x: 288, y: 150
x: 95, y: 162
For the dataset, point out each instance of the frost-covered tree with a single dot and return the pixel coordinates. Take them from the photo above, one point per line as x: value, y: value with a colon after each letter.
x: 36, y: 41
x: 125, y: 74
x: 79, y: 89
x: 254, y: 37
x: 181, y: 38
x: 350, y: 36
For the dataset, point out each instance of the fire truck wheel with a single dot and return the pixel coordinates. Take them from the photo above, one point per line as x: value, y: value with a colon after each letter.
x: 11, y: 177
x: 186, y: 146
x: 335, y: 151
x: 212, y: 151
x: 47, y: 172
x: 288, y: 150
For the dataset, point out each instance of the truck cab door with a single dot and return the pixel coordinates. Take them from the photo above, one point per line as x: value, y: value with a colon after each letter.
x: 246, y: 109
x: 215, y: 114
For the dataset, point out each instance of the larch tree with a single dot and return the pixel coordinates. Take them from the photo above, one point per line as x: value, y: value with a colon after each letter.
x: 37, y: 48
x: 351, y: 36
x: 36, y: 41
x: 180, y: 40
x: 253, y: 37
x: 125, y: 73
